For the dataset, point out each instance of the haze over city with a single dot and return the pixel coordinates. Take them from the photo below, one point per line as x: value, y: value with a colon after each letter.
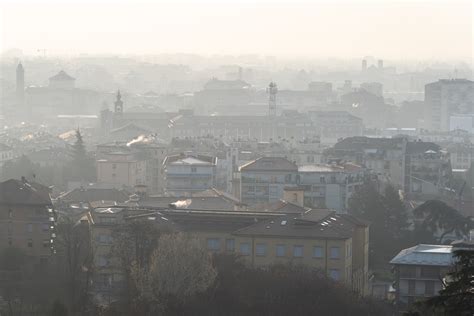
x: 319, y: 29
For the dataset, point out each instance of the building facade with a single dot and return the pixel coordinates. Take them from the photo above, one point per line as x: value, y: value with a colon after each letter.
x: 446, y: 98
x: 185, y: 174
x: 330, y: 186
x: 263, y: 180
x: 419, y: 272
x: 27, y: 220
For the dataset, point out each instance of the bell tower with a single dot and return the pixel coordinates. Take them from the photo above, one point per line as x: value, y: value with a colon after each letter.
x: 118, y: 109
x: 20, y: 85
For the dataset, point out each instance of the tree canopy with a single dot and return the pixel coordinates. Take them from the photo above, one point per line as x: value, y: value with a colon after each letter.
x: 388, y: 220
x: 439, y: 220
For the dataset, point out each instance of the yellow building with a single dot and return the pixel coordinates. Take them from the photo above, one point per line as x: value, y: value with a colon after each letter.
x: 336, y: 244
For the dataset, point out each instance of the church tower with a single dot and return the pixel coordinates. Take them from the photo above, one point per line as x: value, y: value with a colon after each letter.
x: 20, y: 85
x: 118, y: 104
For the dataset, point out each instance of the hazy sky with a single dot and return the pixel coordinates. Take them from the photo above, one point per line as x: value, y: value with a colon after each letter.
x: 389, y: 29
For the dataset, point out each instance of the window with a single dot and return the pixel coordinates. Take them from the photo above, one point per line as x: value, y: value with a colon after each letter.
x: 407, y: 271
x: 114, y: 166
x: 213, y: 244
x: 317, y: 252
x: 322, y: 180
x: 102, y: 261
x: 335, y: 253
x: 230, y: 245
x: 193, y: 169
x: 105, y: 239
x: 30, y: 243
x: 245, y: 248
x: 46, y: 243
x: 280, y: 250
x: 429, y: 287
x: 411, y: 287
x: 45, y: 227
x: 10, y: 213
x: 430, y: 272
x: 298, y: 251
x: 261, y: 249
x: 10, y: 242
x: 29, y: 228
x: 334, y: 274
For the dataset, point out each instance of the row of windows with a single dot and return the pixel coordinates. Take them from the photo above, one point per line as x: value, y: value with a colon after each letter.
x: 429, y: 287
x: 29, y: 243
x: 29, y: 228
x: 261, y: 249
x: 38, y: 211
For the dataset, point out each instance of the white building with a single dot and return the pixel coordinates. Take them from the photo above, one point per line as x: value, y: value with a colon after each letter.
x: 329, y: 186
x: 419, y: 271
x: 185, y: 174
x: 446, y: 98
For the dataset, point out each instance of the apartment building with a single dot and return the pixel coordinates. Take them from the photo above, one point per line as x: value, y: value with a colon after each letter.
x: 187, y: 173
x: 461, y: 155
x: 27, y: 219
x: 149, y: 151
x: 427, y: 168
x: 121, y: 170
x: 384, y: 156
x: 264, y: 179
x: 330, y: 185
x: 446, y: 98
x: 417, y: 167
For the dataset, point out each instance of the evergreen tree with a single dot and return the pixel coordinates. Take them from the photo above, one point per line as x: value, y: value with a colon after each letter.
x: 457, y: 298
x: 388, y: 220
x: 81, y: 165
x: 396, y: 214
x: 438, y: 217
x: 78, y: 152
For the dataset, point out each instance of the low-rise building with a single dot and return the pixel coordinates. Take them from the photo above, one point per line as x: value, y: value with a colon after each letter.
x: 337, y: 244
x: 419, y: 271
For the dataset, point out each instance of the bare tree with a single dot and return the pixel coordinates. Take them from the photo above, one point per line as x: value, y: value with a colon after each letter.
x: 75, y: 257
x: 179, y: 268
